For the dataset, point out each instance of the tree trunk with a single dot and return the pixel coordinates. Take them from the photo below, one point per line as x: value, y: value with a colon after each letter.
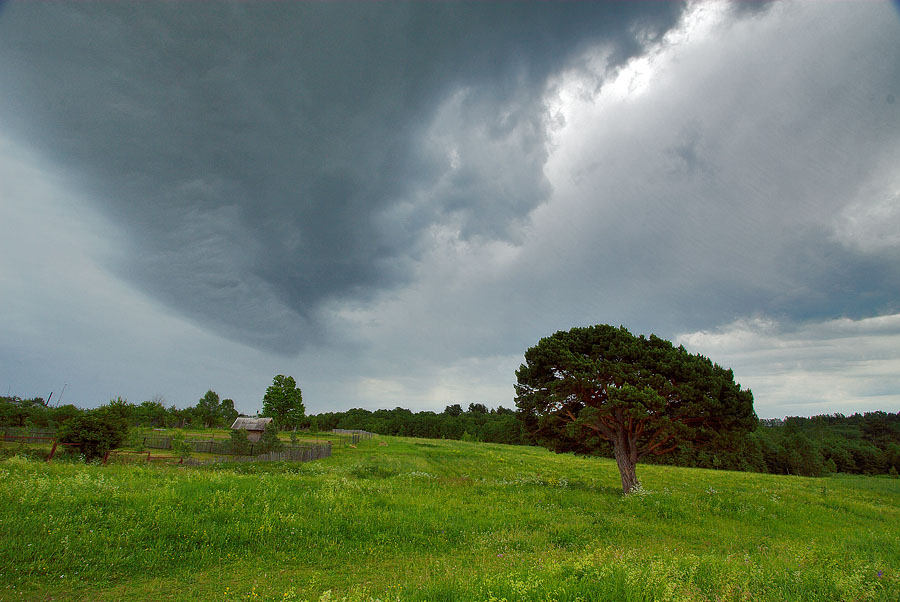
x: 626, y: 464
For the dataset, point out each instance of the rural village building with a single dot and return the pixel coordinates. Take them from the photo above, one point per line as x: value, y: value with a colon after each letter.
x: 253, y: 426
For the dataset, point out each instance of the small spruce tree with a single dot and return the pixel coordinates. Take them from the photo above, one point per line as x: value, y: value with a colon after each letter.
x: 269, y: 441
x: 240, y: 445
x: 180, y: 445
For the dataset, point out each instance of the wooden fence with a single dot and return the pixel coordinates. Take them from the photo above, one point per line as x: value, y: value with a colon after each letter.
x: 40, y: 436
x: 223, y: 447
x: 303, y: 453
x: 141, y: 456
x: 203, y: 446
x: 355, y: 435
x: 17, y: 433
x: 158, y: 442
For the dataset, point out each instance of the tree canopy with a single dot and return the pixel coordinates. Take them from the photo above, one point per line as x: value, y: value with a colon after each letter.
x: 583, y: 389
x: 283, y: 401
x: 208, y: 409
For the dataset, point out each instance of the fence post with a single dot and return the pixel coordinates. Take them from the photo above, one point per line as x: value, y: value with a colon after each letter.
x: 52, y: 451
x: 106, y: 457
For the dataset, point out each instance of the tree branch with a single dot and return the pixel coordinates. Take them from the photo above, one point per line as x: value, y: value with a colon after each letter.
x: 671, y: 448
x: 651, y: 449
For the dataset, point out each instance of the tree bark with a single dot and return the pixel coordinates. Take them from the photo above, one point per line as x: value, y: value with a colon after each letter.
x: 626, y: 463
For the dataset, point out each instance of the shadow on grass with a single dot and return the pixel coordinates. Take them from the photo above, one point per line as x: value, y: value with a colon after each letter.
x: 614, y: 491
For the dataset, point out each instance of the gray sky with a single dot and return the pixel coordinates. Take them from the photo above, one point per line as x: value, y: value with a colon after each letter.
x: 392, y: 201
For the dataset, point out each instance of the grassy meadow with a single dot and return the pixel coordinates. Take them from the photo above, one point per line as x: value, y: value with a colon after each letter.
x: 423, y: 520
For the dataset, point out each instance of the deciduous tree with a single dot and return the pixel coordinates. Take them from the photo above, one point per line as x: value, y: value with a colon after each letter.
x: 209, y: 409
x: 227, y: 412
x: 283, y: 401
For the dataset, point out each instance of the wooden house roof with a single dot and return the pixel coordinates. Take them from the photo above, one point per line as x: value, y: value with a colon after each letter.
x: 251, y: 424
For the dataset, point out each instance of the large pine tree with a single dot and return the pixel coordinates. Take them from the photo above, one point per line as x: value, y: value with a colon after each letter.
x: 582, y: 388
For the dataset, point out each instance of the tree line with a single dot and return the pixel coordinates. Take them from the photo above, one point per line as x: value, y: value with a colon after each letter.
x: 282, y: 401
x: 867, y: 443
x: 94, y: 432
x: 209, y: 412
x: 477, y: 423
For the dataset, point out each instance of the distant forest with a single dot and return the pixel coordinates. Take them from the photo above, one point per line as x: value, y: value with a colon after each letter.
x: 859, y: 444
x: 867, y: 443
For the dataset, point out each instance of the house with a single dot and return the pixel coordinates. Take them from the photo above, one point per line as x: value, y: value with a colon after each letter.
x: 253, y: 426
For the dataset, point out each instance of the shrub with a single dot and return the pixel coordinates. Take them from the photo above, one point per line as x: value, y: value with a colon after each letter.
x: 135, y: 440
x: 467, y: 436
x: 94, y: 434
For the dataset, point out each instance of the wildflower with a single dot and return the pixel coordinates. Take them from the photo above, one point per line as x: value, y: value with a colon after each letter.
x: 880, y: 574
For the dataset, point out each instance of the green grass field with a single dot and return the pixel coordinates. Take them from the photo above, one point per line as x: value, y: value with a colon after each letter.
x: 431, y: 520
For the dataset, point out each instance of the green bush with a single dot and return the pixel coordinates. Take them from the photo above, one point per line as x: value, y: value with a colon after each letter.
x: 469, y: 437
x: 94, y: 434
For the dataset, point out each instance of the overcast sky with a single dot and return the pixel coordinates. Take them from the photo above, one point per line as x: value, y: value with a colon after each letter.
x: 391, y: 202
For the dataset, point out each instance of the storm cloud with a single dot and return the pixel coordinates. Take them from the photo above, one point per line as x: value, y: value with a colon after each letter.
x: 393, y: 201
x: 265, y: 158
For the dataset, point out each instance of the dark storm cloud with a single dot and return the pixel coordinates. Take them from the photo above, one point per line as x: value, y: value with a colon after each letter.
x: 832, y: 280
x: 264, y: 158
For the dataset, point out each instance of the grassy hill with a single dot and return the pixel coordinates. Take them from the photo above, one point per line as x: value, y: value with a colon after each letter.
x: 417, y: 520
